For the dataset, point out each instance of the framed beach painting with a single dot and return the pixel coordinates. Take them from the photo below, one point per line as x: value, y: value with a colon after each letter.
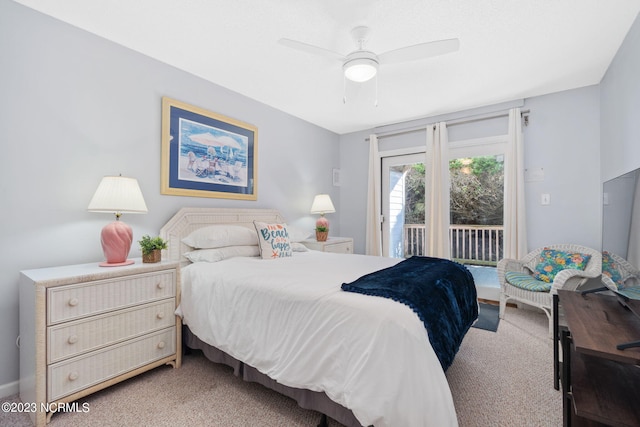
x: 205, y: 154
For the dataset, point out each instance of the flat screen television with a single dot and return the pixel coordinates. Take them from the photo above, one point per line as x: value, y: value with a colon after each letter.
x: 621, y: 216
x: 621, y: 226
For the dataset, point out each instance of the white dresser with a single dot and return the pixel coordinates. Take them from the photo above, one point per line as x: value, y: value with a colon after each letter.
x: 85, y: 327
x: 340, y: 245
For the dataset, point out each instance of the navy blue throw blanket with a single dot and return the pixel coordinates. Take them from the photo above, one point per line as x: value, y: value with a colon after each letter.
x: 441, y: 292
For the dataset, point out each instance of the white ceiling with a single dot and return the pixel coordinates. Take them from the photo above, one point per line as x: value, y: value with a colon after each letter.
x: 509, y: 49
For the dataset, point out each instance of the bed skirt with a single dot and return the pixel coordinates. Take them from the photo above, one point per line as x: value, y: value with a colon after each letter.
x: 307, y: 399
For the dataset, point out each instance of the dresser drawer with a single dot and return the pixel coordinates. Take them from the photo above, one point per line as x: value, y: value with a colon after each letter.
x: 73, y: 375
x: 71, y: 302
x: 339, y: 248
x: 80, y: 336
x: 338, y: 245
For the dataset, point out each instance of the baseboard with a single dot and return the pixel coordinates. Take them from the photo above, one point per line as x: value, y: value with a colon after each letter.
x: 9, y: 389
x: 491, y: 294
x: 493, y: 302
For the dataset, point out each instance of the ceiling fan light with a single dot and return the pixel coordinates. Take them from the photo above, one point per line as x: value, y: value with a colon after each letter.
x: 360, y: 69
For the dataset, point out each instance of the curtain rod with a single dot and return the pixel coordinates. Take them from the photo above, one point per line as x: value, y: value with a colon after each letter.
x: 455, y: 122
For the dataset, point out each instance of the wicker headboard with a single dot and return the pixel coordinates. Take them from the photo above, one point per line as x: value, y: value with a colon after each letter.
x: 188, y: 219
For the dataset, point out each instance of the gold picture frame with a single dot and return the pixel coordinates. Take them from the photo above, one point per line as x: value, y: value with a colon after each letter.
x: 206, y: 154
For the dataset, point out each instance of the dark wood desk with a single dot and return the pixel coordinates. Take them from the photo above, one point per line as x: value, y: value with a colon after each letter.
x: 600, y: 384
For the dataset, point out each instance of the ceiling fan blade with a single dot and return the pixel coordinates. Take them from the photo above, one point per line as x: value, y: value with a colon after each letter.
x: 420, y: 51
x: 309, y: 48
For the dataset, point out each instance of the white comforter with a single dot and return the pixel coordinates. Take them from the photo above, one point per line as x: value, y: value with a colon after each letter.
x: 289, y: 319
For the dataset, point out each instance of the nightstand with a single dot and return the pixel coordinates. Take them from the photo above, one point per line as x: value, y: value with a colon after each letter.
x: 340, y: 245
x: 84, y: 328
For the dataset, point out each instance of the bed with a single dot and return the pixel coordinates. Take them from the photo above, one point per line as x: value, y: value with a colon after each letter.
x: 288, y: 324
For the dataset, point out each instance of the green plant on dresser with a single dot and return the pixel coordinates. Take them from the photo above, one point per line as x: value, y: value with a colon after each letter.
x: 151, y: 248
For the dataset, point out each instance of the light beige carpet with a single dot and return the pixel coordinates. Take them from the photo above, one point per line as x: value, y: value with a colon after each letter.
x: 502, y: 378
x: 506, y: 378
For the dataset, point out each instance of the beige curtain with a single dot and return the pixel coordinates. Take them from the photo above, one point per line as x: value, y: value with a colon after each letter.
x: 437, y: 186
x: 373, y: 240
x: 515, y: 227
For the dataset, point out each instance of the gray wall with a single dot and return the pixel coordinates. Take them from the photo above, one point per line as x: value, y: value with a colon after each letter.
x: 562, y: 138
x: 75, y: 107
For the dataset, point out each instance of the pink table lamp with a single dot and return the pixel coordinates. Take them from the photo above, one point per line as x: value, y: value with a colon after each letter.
x: 117, y: 195
x: 322, y: 204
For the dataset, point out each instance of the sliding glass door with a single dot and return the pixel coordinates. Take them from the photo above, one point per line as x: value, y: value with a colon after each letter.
x: 403, y: 191
x: 476, y: 172
x: 477, y: 209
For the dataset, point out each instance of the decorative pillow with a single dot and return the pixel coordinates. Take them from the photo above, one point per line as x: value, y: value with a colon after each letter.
x: 219, y: 254
x: 219, y: 236
x: 273, y: 240
x: 298, y: 247
x: 553, y: 262
x: 610, y: 269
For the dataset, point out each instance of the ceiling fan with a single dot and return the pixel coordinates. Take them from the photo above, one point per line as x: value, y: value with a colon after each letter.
x: 362, y: 65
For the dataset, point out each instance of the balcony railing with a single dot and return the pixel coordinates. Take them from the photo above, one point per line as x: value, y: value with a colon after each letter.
x: 469, y: 244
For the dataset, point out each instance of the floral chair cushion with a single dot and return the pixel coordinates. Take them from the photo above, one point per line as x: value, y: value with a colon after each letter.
x: 552, y: 262
x: 632, y: 292
x: 525, y: 281
x: 610, y: 269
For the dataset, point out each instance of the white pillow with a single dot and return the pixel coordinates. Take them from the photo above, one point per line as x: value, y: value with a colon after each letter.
x: 273, y: 240
x: 298, y: 247
x: 297, y: 234
x: 219, y: 254
x: 219, y: 236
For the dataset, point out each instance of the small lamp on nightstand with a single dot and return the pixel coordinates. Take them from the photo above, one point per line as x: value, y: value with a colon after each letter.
x: 117, y: 195
x: 322, y: 205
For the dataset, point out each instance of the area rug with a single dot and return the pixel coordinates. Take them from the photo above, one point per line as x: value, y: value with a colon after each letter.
x: 487, y: 317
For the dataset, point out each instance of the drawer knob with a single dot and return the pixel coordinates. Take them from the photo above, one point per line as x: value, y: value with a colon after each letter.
x: 73, y: 376
x: 160, y: 315
x: 161, y: 345
x: 72, y: 339
x: 73, y: 302
x: 160, y: 285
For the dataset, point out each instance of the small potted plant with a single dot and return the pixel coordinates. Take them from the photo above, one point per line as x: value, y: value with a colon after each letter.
x: 322, y: 229
x: 151, y: 248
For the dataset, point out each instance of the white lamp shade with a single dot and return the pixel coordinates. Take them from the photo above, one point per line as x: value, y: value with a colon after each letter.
x: 118, y: 194
x: 322, y: 204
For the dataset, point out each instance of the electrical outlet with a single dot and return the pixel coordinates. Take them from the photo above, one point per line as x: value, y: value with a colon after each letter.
x: 545, y: 199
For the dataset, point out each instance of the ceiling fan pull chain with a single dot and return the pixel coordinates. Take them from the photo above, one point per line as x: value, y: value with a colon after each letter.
x: 375, y: 103
x: 344, y: 89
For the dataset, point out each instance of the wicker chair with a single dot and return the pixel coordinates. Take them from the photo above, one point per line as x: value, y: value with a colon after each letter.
x: 620, y: 276
x: 566, y: 279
